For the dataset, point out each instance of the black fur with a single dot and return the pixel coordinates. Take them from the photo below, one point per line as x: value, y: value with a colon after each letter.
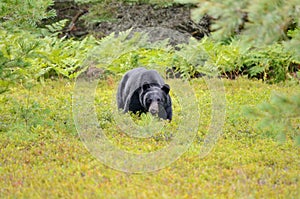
x: 142, y: 90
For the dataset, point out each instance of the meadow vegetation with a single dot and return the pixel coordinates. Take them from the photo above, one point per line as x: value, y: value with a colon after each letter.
x: 257, y: 155
x: 43, y: 156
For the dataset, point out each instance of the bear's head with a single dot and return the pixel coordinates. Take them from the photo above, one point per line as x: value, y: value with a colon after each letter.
x: 155, y: 98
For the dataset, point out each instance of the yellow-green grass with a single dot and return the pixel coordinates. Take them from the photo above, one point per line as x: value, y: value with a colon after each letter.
x: 42, y: 156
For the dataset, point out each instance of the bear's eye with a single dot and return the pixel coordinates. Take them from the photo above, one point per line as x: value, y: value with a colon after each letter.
x: 148, y: 101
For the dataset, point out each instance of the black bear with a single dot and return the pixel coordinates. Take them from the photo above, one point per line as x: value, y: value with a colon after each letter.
x: 142, y: 90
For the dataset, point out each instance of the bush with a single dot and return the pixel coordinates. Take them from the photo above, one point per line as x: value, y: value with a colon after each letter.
x: 278, y: 118
x: 25, y: 14
x: 257, y: 23
x: 258, y: 39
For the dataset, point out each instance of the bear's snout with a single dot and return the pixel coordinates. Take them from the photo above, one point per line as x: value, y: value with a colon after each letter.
x: 153, y: 109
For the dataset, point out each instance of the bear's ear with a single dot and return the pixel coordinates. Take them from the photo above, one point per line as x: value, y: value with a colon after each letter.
x: 165, y: 88
x: 145, y: 86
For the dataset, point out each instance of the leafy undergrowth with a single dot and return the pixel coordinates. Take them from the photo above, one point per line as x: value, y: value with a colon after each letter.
x: 43, y: 156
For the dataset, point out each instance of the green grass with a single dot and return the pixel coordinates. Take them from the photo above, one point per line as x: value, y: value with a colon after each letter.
x: 41, y: 154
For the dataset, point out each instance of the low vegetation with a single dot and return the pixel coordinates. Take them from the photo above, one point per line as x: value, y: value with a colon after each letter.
x: 43, y: 156
x: 256, y: 57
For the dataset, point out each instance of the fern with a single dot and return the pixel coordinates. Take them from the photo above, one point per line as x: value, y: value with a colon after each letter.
x: 56, y: 28
x: 293, y: 44
x: 209, y: 57
x: 62, y: 57
x: 272, y: 63
x: 114, y: 46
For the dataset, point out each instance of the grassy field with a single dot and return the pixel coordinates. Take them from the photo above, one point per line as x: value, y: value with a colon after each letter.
x: 42, y: 155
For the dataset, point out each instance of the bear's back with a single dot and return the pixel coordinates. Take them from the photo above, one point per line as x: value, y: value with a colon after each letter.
x: 134, y: 80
